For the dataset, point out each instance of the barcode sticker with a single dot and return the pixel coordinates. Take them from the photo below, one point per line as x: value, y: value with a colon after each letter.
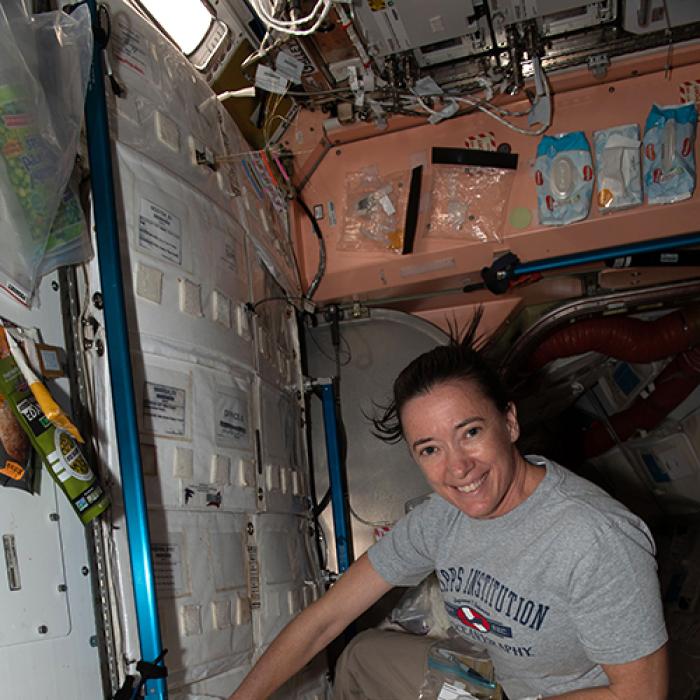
x: 253, y: 577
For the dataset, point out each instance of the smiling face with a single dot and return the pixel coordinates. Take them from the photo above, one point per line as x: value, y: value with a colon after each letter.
x: 465, y: 447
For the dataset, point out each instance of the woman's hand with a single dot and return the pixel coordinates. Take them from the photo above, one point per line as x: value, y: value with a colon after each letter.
x: 313, y: 629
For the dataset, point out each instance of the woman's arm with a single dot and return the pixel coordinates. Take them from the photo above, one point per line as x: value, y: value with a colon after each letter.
x: 313, y: 629
x: 644, y: 678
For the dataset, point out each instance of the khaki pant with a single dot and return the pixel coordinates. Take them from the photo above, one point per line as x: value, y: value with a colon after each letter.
x: 382, y: 665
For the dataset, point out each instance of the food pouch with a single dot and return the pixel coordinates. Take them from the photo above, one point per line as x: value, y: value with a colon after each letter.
x: 617, y: 167
x: 58, y: 449
x: 669, y: 153
x: 564, y: 178
x: 16, y: 454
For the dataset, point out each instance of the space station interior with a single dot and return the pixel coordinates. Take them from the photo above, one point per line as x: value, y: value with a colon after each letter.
x: 227, y: 225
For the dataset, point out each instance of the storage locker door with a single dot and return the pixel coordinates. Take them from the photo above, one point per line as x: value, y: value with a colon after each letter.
x: 48, y: 642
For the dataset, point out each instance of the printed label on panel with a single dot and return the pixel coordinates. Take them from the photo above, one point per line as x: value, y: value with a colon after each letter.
x: 253, y: 577
x: 231, y: 420
x: 131, y: 48
x: 228, y: 260
x: 160, y: 232
x: 164, y: 409
x: 167, y: 569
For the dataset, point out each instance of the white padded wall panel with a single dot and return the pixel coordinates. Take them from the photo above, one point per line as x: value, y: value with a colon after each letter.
x: 199, y: 568
x: 187, y: 258
x: 166, y: 109
x: 283, y: 478
x: 197, y: 437
x: 288, y: 576
x: 274, y: 320
x: 169, y: 114
x: 189, y: 232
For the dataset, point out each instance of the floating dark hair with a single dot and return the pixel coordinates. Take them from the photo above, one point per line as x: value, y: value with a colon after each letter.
x: 458, y: 360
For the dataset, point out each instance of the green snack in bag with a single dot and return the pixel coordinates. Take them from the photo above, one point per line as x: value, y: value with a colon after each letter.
x: 29, y: 163
x: 59, y: 451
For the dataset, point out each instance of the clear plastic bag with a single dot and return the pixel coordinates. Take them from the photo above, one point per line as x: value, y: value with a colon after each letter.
x: 421, y: 610
x: 375, y: 208
x: 469, y: 202
x: 458, y: 670
x: 44, y: 68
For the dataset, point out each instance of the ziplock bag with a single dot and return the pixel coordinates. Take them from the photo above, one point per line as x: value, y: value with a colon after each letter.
x: 469, y: 193
x: 458, y: 670
x: 375, y: 208
x: 44, y: 67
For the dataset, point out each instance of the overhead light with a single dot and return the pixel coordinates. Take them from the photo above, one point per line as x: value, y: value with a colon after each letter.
x: 186, y: 22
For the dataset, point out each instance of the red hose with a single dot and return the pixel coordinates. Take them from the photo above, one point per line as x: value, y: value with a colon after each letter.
x: 673, y: 385
x: 626, y: 339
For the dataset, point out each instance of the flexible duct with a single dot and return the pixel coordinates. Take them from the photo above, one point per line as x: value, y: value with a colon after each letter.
x: 628, y: 339
x: 672, y: 386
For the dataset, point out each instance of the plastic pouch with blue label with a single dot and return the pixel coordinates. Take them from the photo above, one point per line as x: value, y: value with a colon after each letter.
x: 617, y: 165
x: 669, y: 153
x: 564, y: 178
x: 458, y: 670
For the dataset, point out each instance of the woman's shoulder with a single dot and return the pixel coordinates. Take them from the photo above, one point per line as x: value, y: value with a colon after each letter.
x: 592, y: 513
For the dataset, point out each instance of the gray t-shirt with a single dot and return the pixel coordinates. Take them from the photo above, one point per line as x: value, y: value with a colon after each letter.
x: 554, y: 588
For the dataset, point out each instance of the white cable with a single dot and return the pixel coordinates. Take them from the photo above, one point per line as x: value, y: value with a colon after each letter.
x: 505, y: 122
x: 258, y: 7
x: 290, y: 26
x: 425, y: 106
x: 269, y: 16
x: 380, y: 523
x: 491, y: 110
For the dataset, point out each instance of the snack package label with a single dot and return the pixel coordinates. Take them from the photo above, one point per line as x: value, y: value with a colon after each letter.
x: 58, y: 449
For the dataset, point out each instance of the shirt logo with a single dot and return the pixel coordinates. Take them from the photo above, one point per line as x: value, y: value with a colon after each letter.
x: 476, y: 620
x: 473, y: 619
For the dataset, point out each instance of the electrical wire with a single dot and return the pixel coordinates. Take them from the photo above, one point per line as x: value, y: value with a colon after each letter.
x: 264, y: 15
x: 318, y: 15
x: 487, y: 108
x: 321, y: 270
x: 369, y: 523
x: 289, y: 299
x: 345, y: 362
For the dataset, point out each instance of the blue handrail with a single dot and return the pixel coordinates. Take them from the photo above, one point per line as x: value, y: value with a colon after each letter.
x: 117, y: 334
x: 606, y: 253
x: 343, y: 536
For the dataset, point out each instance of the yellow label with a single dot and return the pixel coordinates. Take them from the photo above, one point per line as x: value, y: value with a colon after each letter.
x: 395, y: 240
x: 605, y: 198
x: 376, y: 5
x: 13, y: 470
